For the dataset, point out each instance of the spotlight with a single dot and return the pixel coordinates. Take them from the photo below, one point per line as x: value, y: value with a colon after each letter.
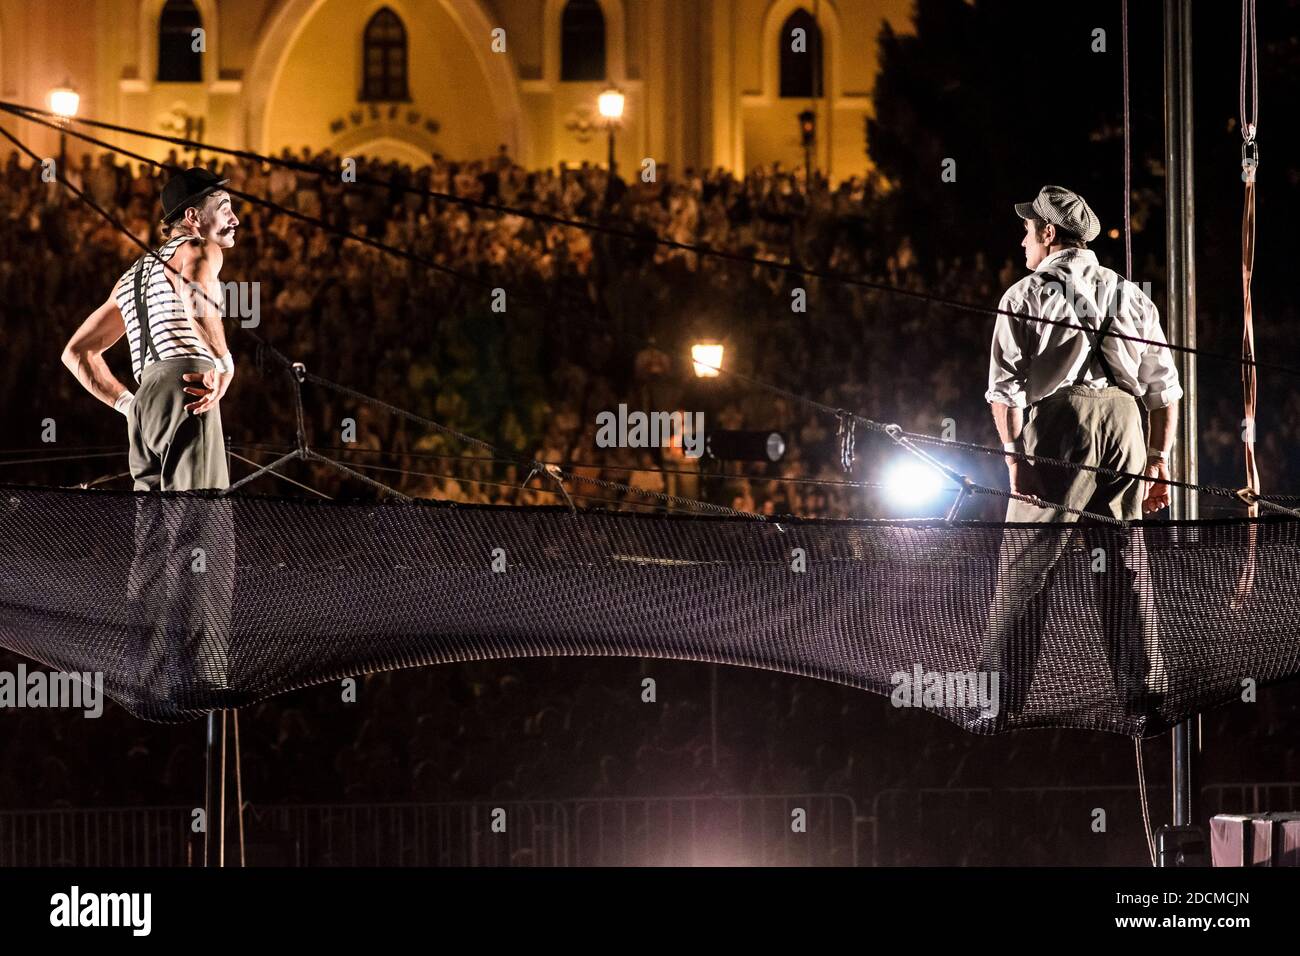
x: 913, y: 484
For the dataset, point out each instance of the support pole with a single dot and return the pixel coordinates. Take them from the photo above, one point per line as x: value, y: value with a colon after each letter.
x: 214, y: 829
x: 1181, y: 324
x: 713, y: 715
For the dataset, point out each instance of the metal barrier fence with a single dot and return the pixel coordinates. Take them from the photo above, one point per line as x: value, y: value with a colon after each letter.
x: 811, y: 829
x: 1039, y: 826
x: 134, y: 836
x: 932, y: 826
x: 785, y: 829
x: 1250, y: 797
x: 1025, y: 826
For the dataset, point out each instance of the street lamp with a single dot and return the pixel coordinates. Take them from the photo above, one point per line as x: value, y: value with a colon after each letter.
x: 706, y: 359
x: 610, y: 104
x: 64, y: 102
x: 808, y: 135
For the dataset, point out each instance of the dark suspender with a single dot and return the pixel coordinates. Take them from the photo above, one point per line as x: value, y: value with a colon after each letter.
x: 1095, y: 353
x: 142, y: 314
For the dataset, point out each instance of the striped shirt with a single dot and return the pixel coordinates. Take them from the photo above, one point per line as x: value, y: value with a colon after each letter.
x: 172, y: 334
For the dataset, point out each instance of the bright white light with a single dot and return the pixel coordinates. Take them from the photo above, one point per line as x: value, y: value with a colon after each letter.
x: 610, y: 104
x: 64, y: 102
x: 707, y: 358
x: 913, y: 484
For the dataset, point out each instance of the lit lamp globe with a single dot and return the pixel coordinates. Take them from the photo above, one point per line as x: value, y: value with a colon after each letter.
x: 65, y: 102
x: 706, y: 359
x: 610, y: 104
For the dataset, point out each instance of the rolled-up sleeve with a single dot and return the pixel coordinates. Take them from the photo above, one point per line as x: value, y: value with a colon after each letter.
x: 1157, y: 374
x: 1008, y: 363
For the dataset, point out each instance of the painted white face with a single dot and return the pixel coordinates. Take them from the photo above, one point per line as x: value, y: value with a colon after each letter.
x: 217, y: 220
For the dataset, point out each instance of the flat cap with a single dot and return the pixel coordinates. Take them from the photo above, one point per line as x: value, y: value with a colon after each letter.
x: 1064, y: 209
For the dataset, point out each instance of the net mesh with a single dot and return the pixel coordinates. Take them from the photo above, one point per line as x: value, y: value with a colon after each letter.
x: 190, y: 601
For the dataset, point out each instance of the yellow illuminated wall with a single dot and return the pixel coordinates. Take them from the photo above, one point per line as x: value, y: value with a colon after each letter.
x: 700, y: 78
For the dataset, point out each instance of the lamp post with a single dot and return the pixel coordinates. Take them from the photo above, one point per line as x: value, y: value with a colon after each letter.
x: 808, y: 136
x: 64, y: 102
x: 610, y: 104
x: 706, y: 362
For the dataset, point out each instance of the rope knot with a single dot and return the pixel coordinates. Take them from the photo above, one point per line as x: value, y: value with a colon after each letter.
x: 1249, y: 158
x: 846, y: 435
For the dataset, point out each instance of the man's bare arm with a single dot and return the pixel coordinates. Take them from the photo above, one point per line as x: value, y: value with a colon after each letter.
x: 1163, y: 424
x: 1009, y: 421
x: 203, y: 299
x: 84, y: 354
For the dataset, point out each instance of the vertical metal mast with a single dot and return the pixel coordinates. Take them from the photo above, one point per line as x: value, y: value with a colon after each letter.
x: 1181, y: 324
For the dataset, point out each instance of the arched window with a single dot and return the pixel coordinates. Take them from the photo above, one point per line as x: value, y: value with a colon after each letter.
x: 582, y: 41
x: 801, y: 71
x: 384, y: 55
x: 177, y: 61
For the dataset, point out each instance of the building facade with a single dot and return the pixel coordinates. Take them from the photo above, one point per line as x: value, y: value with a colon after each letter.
x: 706, y: 82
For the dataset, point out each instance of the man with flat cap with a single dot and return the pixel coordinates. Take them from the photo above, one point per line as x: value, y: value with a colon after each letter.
x: 1068, y: 390
x: 169, y: 305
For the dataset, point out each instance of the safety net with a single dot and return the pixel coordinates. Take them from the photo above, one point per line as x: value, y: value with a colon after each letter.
x: 186, y: 602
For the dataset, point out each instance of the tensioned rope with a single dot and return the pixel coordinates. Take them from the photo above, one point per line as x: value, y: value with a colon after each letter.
x: 495, y: 484
x: 32, y: 113
x: 78, y: 448
x: 893, y: 431
x: 1242, y: 495
x: 249, y: 461
x: 603, y: 466
x: 1249, y: 122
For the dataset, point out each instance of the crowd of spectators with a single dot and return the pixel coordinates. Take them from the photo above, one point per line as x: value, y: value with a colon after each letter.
x: 590, y: 321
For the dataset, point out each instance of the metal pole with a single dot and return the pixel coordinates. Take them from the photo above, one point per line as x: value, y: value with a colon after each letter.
x: 713, y: 711
x: 214, y: 796
x: 609, y: 185
x: 1181, y: 323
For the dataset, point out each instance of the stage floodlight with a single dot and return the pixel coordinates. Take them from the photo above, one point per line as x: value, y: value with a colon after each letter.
x: 913, y: 484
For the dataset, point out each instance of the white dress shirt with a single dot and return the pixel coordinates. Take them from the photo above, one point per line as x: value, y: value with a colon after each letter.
x: 1031, y: 360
